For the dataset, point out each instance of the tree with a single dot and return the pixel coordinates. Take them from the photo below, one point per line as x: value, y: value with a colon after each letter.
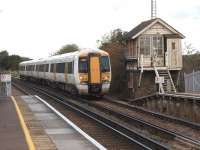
x: 13, y: 62
x: 189, y: 49
x: 10, y: 62
x: 3, y: 60
x: 67, y: 49
x: 115, y: 36
x: 115, y: 44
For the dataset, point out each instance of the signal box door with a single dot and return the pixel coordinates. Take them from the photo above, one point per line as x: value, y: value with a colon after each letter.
x: 94, y: 70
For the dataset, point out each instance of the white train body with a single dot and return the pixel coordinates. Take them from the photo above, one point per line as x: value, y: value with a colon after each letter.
x: 87, y: 72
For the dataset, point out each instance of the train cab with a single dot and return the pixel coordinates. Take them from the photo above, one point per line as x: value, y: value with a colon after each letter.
x: 94, y: 73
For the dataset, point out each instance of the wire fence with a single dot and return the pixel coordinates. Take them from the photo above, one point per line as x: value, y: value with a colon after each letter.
x: 192, y: 82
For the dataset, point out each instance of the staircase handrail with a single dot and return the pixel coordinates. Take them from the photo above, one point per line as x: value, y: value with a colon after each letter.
x: 172, y: 82
x: 160, y: 84
x: 141, y: 71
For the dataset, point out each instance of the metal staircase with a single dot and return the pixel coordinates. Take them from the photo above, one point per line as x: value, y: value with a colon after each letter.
x: 168, y: 85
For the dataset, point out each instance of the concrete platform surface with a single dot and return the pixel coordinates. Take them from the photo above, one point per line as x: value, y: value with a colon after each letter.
x: 63, y: 134
x: 11, y: 133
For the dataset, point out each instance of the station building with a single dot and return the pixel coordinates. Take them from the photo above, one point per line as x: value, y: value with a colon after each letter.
x: 153, y: 58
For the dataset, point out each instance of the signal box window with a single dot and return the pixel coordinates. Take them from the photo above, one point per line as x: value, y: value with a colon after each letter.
x: 83, y: 65
x: 173, y: 45
x: 145, y: 45
x: 158, y: 45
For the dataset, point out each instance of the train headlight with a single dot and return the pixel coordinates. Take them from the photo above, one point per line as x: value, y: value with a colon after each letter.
x: 105, y: 77
x: 83, y: 77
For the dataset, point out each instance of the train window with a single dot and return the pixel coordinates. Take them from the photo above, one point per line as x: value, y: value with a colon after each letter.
x: 60, y: 67
x: 41, y: 68
x: 22, y: 68
x: 70, y: 67
x: 105, y: 66
x: 51, y: 69
x: 29, y: 67
x: 83, y: 65
x: 37, y: 68
x: 47, y: 68
x: 34, y: 68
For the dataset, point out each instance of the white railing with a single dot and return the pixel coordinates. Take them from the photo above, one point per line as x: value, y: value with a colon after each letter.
x: 172, y: 82
x: 161, y: 89
x: 166, y: 59
x: 192, y: 82
x: 142, y: 69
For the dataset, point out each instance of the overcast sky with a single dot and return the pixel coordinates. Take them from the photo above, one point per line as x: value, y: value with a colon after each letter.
x: 36, y: 28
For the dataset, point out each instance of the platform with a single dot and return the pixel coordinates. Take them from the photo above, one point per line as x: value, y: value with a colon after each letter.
x: 51, y: 130
x: 11, y: 133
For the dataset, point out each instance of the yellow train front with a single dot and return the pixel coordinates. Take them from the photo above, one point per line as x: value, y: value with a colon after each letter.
x: 94, y: 72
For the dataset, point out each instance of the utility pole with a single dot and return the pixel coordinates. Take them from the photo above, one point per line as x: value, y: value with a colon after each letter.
x: 153, y: 9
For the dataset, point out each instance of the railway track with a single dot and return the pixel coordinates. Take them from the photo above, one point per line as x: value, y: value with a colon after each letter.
x: 155, y: 123
x: 148, y: 134
x: 126, y: 105
x: 187, y: 104
x: 139, y: 141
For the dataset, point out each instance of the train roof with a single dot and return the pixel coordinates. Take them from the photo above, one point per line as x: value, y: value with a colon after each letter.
x: 63, y: 57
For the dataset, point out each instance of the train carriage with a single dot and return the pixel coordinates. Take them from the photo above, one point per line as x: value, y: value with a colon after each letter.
x: 85, y: 72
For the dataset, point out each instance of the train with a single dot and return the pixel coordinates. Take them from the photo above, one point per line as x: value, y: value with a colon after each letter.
x: 83, y: 72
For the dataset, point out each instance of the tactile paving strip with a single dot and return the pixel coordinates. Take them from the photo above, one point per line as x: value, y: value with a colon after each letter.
x: 40, y: 139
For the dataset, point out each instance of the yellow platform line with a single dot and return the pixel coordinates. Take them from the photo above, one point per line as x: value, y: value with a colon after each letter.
x: 23, y: 125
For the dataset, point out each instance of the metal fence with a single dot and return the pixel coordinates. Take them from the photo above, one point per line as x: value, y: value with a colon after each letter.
x: 192, y: 82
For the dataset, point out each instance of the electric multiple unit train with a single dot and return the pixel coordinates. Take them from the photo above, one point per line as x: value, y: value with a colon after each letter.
x: 84, y: 72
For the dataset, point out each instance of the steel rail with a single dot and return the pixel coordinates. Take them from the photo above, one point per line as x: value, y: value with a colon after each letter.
x: 140, y: 141
x: 182, y: 96
x: 157, y: 114
x: 183, y: 137
x: 129, y: 118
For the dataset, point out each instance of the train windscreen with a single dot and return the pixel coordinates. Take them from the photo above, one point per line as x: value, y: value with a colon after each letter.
x: 83, y: 65
x: 105, y: 65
